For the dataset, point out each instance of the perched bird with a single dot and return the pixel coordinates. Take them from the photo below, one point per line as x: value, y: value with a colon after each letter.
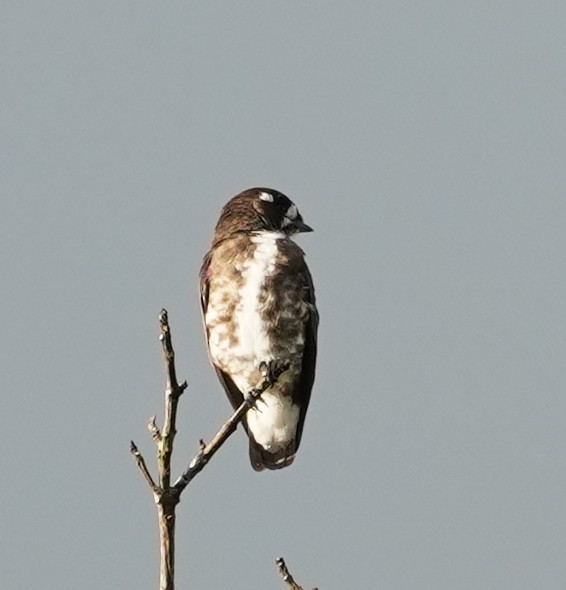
x: 259, y: 308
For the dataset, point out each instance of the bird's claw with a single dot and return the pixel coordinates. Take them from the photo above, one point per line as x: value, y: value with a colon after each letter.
x: 252, y: 400
x: 271, y: 370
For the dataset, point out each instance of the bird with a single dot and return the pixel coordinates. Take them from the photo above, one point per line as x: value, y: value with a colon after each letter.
x: 259, y: 310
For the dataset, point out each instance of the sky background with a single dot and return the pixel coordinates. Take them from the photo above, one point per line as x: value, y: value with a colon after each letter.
x: 426, y: 144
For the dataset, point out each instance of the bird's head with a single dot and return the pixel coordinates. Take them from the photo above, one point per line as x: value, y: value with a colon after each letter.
x: 260, y: 209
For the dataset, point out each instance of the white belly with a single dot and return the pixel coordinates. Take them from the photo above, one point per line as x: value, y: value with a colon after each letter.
x: 274, y: 421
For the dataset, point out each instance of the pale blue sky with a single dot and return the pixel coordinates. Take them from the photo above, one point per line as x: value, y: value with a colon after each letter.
x: 425, y: 142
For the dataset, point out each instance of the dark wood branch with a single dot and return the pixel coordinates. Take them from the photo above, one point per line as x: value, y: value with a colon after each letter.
x: 206, y: 452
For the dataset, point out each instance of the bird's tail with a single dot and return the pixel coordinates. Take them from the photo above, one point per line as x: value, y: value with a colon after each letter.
x: 261, y: 458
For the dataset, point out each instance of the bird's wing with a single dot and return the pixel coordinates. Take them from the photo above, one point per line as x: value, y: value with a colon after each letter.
x: 304, y: 386
x: 204, y: 286
x: 234, y: 394
x: 261, y: 458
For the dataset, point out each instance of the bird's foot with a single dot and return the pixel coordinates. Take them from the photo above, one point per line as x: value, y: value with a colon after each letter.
x: 270, y: 373
x: 272, y: 370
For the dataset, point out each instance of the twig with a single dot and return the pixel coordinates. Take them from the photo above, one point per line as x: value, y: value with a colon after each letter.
x: 154, y: 430
x: 140, y: 461
x: 206, y: 452
x: 172, y: 394
x: 286, y: 574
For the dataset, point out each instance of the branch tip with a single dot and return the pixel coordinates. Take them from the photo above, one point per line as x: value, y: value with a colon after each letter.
x: 286, y: 574
x: 140, y: 462
x: 154, y: 430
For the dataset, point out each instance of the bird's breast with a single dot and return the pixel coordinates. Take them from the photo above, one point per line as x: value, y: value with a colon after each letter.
x: 254, y: 313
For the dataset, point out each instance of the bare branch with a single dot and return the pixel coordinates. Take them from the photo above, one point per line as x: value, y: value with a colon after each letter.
x: 166, y: 502
x: 167, y: 496
x: 172, y: 394
x: 166, y: 519
x: 206, y: 452
x: 140, y: 461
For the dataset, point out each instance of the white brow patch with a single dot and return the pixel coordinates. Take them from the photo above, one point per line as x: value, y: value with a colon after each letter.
x: 266, y: 197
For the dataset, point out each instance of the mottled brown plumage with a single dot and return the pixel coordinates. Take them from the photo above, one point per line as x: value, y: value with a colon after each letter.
x: 258, y: 305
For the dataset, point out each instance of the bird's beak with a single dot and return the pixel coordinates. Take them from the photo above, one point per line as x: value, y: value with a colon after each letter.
x: 301, y: 227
